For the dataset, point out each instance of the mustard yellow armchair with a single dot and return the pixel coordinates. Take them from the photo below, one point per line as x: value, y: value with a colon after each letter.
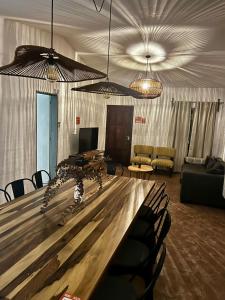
x: 164, y: 158
x: 143, y: 155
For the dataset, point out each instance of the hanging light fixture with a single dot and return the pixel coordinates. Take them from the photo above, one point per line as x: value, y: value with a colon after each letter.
x: 107, y: 88
x: 45, y: 63
x: 146, y: 87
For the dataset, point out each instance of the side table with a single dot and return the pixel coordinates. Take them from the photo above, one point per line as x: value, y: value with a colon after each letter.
x: 140, y: 171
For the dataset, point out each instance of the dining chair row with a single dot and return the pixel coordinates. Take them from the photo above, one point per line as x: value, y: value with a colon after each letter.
x: 17, y: 187
x: 141, y: 255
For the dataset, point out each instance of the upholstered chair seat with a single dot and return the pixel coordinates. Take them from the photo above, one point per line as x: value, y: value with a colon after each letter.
x: 143, y: 160
x: 164, y: 158
x: 165, y: 163
x: 142, y: 155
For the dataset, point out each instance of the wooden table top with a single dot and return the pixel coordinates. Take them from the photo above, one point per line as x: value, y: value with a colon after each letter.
x: 143, y: 168
x: 41, y: 260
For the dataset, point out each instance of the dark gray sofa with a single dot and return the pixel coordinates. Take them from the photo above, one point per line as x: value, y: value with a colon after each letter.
x: 200, y: 187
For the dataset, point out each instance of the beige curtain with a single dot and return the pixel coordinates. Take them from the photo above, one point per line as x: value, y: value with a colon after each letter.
x: 179, y: 131
x: 219, y: 135
x: 18, y: 105
x: 203, y: 129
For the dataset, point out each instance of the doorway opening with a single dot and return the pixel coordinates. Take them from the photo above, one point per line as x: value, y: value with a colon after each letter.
x: 47, y: 133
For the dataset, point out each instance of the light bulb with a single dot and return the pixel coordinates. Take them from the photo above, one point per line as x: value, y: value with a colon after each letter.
x: 52, y: 74
x: 145, y: 85
x: 106, y: 95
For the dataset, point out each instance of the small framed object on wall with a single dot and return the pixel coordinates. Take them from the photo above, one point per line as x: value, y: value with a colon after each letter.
x: 77, y: 120
x: 139, y: 120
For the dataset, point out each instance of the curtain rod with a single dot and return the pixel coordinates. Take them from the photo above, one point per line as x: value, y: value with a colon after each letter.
x: 217, y: 101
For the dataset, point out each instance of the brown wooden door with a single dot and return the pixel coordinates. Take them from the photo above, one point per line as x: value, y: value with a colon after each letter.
x: 119, y: 125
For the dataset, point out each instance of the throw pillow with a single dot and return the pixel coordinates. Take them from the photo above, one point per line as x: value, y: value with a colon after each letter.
x: 218, y: 168
x: 194, y: 160
x: 207, y: 160
x: 211, y: 162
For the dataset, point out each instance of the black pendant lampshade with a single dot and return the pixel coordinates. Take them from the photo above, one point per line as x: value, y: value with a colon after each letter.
x: 45, y: 63
x: 107, y: 88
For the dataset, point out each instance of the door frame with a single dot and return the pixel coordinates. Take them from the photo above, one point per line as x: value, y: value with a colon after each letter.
x: 49, y: 94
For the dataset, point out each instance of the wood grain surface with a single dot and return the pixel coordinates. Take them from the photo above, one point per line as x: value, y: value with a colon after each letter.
x: 41, y: 260
x: 142, y: 168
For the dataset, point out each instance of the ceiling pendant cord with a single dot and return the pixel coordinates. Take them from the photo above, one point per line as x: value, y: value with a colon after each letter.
x: 107, y: 88
x: 147, y: 65
x: 44, y: 63
x: 52, y: 25
x: 109, y: 41
x: 99, y: 10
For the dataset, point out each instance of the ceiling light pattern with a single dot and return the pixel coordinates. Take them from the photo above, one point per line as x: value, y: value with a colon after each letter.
x: 107, y: 88
x: 194, y: 45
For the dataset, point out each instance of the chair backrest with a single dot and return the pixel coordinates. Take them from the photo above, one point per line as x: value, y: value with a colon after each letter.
x: 154, y: 198
x: 165, y: 151
x: 157, y: 268
x: 143, y: 149
x: 18, y: 186
x: 160, y: 202
x: 6, y: 195
x: 162, y: 227
x: 37, y: 178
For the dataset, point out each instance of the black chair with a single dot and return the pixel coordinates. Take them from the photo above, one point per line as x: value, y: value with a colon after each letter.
x: 113, y: 287
x: 6, y: 195
x: 133, y: 256
x: 37, y: 178
x: 18, y: 186
x: 150, y: 206
x: 111, y: 167
x: 143, y: 227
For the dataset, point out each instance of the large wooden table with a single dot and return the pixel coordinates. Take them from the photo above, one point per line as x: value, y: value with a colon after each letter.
x: 40, y: 260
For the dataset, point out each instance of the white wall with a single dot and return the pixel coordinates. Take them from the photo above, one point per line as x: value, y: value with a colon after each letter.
x: 157, y: 113
x: 17, y: 107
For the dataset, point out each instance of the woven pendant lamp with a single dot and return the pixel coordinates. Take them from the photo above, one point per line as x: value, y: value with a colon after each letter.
x: 107, y: 88
x: 147, y: 88
x: 45, y: 63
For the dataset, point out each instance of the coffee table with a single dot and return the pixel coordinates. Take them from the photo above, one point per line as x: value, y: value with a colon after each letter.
x: 140, y: 170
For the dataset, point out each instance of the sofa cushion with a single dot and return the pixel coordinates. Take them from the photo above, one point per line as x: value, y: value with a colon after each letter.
x: 191, y: 168
x: 141, y: 160
x: 167, y: 163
